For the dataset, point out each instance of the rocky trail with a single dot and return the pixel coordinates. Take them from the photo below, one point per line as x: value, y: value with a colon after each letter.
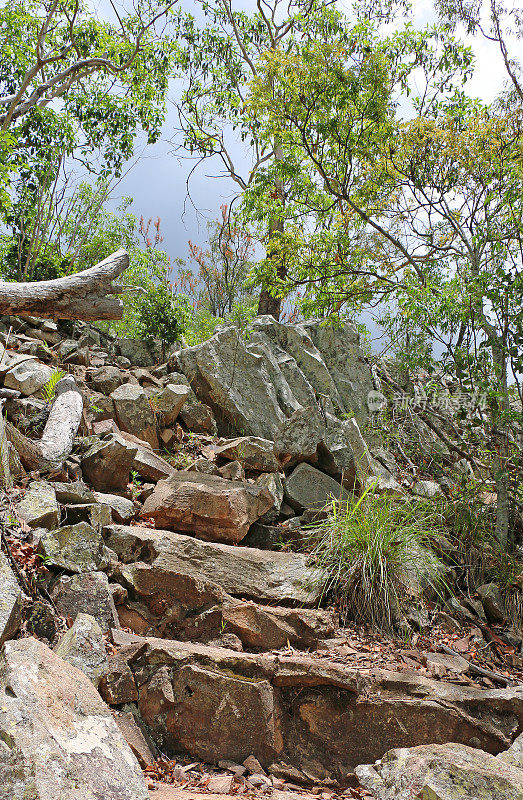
x: 163, y: 631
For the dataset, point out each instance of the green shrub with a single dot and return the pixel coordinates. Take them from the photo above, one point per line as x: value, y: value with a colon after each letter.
x: 373, y: 555
x: 158, y: 317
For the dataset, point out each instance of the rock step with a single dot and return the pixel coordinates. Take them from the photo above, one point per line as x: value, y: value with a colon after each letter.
x: 305, y: 719
x: 263, y: 575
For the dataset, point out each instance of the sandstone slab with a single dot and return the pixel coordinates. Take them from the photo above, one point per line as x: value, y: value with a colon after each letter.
x: 209, y: 506
x: 88, y: 592
x: 170, y: 400
x: 75, y: 548
x: 241, y: 571
x: 39, y: 507
x: 307, y: 487
x: 252, y: 452
x: 108, y: 462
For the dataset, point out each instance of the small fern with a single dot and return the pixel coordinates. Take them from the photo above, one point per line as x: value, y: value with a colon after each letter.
x: 48, y: 389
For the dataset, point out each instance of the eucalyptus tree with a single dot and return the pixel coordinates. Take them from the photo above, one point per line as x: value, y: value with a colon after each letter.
x: 219, y: 58
x: 440, y: 194
x: 73, y: 85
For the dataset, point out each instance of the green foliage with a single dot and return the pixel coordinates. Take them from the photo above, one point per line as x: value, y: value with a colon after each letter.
x: 48, y: 390
x: 370, y: 552
x: 158, y: 317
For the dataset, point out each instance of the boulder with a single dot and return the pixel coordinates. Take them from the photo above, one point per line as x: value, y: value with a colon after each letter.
x: 39, y: 507
x: 242, y: 571
x: 58, y: 738
x: 72, y: 493
x: 308, y: 717
x: 137, y: 351
x: 492, y: 601
x: 198, y: 417
x: 107, y: 379
x: 232, y: 471
x: 122, y: 509
x: 28, y: 377
x: 254, y: 384
x: 10, y: 601
x: 87, y: 592
x: 514, y: 754
x: 271, y: 481
x: 117, y: 685
x: 272, y: 628
x: 75, y: 548
x: 251, y: 451
x: 307, y: 487
x: 98, y: 515
x: 134, y: 738
x: 134, y: 413
x: 83, y: 647
x: 441, y: 772
x: 211, y: 507
x: 108, y: 462
x: 170, y: 401
x: 151, y: 466
x: 428, y: 489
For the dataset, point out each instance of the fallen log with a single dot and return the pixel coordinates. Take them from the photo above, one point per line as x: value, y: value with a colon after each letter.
x: 85, y: 295
x: 50, y: 452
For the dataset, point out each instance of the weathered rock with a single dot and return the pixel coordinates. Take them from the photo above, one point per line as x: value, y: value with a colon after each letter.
x: 206, y: 467
x: 232, y: 471
x: 429, y: 489
x: 41, y: 621
x: 117, y: 685
x: 108, y: 462
x: 10, y: 601
x: 137, y: 351
x: 441, y: 772
x: 107, y: 379
x: 134, y: 413
x: 514, y: 755
x: 84, y: 648
x: 75, y: 548
x: 211, y: 507
x: 59, y: 740
x: 272, y: 481
x: 39, y: 507
x: 439, y: 664
x: 80, y: 356
x: 272, y: 628
x: 97, y: 515
x: 122, y: 508
x: 251, y: 451
x: 151, y: 466
x: 170, y: 401
x: 307, y: 487
x: 28, y: 377
x: 242, y: 571
x: 492, y: 601
x: 198, y: 417
x: 134, y: 738
x: 72, y: 493
x: 309, y: 717
x: 255, y: 385
x: 88, y: 592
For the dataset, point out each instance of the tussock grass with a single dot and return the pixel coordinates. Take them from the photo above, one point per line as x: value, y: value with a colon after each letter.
x: 374, y: 555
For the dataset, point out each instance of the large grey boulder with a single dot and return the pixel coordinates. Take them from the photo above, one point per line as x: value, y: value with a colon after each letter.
x: 28, y: 377
x: 241, y: 571
x: 10, y: 601
x: 209, y: 506
x: 441, y: 772
x: 106, y: 379
x: 307, y: 487
x: 255, y: 384
x: 58, y: 739
x: 251, y: 451
x: 134, y: 413
x: 170, y: 401
x: 38, y: 507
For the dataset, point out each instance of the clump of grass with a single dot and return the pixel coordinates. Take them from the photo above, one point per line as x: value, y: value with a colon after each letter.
x: 374, y: 556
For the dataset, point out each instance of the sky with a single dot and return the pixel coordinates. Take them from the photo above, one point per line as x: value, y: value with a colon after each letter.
x: 157, y: 181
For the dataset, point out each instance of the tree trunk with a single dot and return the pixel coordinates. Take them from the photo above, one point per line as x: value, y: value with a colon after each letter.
x: 502, y: 450
x: 268, y: 304
x: 80, y: 296
x: 50, y: 452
